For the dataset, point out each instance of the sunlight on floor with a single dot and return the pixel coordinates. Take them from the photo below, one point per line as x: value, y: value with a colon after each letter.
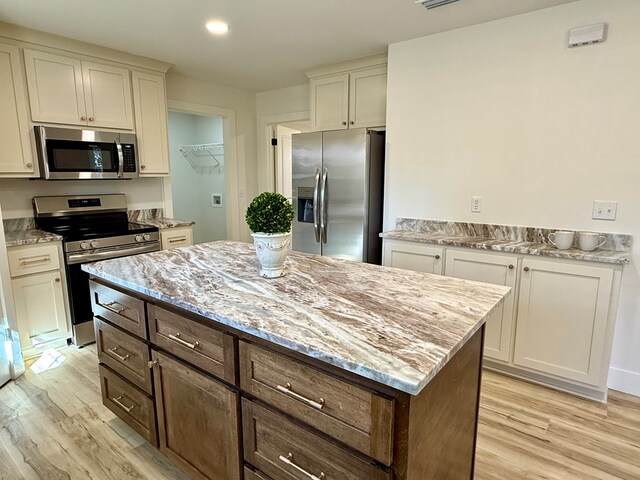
x: 49, y: 360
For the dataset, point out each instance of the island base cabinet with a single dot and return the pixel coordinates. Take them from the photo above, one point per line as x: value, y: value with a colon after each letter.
x: 198, y: 421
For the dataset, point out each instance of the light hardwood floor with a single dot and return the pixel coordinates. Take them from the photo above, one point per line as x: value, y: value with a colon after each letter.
x: 53, y: 426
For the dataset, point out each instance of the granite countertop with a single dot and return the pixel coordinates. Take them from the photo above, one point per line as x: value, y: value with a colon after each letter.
x: 398, y: 328
x: 511, y: 246
x: 16, y: 238
x: 165, y: 223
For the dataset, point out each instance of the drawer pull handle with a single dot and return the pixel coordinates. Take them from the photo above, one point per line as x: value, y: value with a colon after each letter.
x: 289, y: 461
x: 288, y: 390
x: 177, y: 239
x: 152, y: 363
x: 117, y: 401
x: 113, y: 351
x: 176, y: 338
x: 111, y: 304
x: 32, y: 260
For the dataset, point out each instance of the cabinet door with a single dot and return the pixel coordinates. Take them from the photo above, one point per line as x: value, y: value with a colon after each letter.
x: 496, y: 269
x: 368, y: 97
x: 412, y: 256
x: 40, y: 308
x: 562, y: 319
x: 15, y: 136
x: 55, y: 86
x: 329, y: 102
x: 150, y: 102
x: 198, y: 421
x: 107, y: 94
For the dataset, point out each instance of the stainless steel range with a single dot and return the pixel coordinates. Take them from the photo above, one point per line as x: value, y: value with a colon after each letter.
x: 93, y: 227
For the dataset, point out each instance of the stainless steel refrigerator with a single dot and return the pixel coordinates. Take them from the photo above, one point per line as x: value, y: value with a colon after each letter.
x: 337, y: 193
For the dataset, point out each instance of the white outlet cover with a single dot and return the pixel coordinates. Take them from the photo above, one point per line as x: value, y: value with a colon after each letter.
x: 476, y: 204
x: 604, y: 210
x: 216, y: 200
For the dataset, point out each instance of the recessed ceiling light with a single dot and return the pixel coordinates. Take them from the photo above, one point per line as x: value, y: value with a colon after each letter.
x: 217, y: 27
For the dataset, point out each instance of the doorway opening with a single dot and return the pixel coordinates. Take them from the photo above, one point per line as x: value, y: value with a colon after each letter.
x: 198, y: 174
x: 281, y: 142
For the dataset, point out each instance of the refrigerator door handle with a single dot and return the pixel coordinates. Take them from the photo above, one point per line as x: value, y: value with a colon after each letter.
x: 316, y: 205
x: 323, y: 204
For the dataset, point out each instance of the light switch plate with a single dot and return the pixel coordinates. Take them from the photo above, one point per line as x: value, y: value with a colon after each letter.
x: 476, y: 204
x: 604, y: 210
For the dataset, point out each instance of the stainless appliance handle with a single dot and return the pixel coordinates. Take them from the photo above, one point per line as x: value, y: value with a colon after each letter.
x: 120, y: 158
x: 316, y: 205
x: 41, y: 148
x: 323, y: 205
x: 75, y: 258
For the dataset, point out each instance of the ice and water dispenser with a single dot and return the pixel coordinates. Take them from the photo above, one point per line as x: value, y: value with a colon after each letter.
x: 305, y: 204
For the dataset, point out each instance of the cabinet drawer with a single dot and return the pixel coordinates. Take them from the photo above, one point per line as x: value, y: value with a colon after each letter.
x: 129, y: 403
x: 351, y: 414
x: 288, y: 452
x: 176, y: 237
x: 201, y: 346
x: 119, y: 308
x: 254, y: 475
x: 33, y: 259
x: 123, y: 353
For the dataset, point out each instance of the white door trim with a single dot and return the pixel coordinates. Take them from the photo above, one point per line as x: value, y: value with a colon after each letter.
x: 266, y: 172
x: 234, y: 191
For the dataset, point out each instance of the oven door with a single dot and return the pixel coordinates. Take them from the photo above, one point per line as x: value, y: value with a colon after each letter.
x: 68, y: 154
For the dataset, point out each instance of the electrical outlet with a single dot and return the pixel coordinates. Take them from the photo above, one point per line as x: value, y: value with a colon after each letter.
x: 604, y: 210
x: 216, y: 200
x: 476, y: 204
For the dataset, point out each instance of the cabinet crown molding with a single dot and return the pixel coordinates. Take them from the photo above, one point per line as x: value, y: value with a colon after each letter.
x: 29, y: 38
x: 350, y: 65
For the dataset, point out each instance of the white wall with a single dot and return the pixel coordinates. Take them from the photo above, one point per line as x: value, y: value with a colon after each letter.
x: 243, y: 103
x: 276, y: 107
x: 506, y: 111
x: 192, y: 188
x: 16, y: 194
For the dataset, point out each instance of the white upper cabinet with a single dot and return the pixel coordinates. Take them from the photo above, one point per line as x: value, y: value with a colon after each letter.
x: 16, y: 159
x: 498, y: 270
x: 149, y: 98
x: 107, y: 94
x: 563, y: 316
x: 354, y: 99
x: 68, y: 90
x: 330, y: 102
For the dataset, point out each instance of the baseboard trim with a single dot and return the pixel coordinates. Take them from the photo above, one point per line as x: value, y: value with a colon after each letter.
x: 624, y: 381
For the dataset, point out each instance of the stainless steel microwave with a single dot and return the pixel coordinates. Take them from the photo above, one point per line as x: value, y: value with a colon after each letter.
x: 69, y: 154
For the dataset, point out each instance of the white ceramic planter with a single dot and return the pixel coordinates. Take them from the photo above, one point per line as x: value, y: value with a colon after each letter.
x: 272, y: 249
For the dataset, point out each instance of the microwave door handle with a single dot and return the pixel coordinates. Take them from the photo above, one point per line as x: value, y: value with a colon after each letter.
x: 120, y: 158
x: 316, y: 205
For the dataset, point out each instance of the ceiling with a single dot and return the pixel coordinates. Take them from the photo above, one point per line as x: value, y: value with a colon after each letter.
x: 270, y: 43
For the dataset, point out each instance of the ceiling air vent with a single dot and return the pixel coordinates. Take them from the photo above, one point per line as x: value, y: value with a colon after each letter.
x: 429, y: 4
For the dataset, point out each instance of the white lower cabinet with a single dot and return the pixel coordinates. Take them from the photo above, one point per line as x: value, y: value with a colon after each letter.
x: 498, y: 270
x: 176, y: 237
x: 412, y: 256
x: 562, y: 319
x: 39, y: 294
x: 556, y: 327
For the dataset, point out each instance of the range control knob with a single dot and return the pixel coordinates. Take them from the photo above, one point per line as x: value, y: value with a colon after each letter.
x: 95, y: 244
x: 139, y: 238
x: 84, y: 245
x: 147, y: 237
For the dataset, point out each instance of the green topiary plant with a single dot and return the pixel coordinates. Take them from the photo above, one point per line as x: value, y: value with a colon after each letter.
x: 269, y: 213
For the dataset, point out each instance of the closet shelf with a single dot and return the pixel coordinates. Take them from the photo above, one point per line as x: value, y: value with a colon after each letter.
x: 204, y: 155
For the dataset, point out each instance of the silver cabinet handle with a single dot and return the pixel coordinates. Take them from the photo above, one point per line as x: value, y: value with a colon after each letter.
x: 344, y: 123
x: 32, y: 260
x: 323, y: 204
x: 289, y: 461
x: 29, y: 165
x: 177, y: 239
x: 111, y: 304
x: 91, y: 119
x: 352, y: 122
x: 510, y: 267
x: 176, y: 338
x: 152, y: 363
x: 83, y: 118
x: 526, y: 269
x: 117, y: 401
x: 437, y: 257
x: 289, y: 391
x: 316, y: 205
x: 113, y: 351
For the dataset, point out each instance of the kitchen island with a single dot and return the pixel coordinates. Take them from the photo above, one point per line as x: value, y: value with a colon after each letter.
x: 339, y: 370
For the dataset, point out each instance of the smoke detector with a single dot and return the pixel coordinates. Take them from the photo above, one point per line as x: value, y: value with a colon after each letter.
x: 430, y: 4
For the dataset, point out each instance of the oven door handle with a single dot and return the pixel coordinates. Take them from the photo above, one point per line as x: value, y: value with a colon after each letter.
x: 120, y: 158
x: 75, y: 258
